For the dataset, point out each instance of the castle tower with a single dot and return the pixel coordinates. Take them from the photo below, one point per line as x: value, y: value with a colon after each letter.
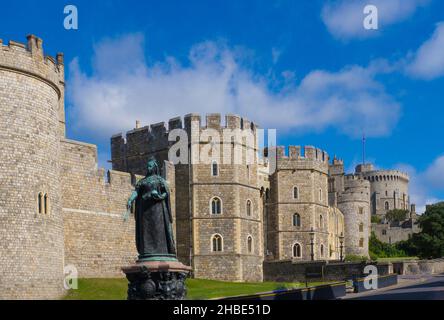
x: 354, y: 203
x: 298, y: 208
x: 389, y: 189
x: 219, y: 209
x: 229, y: 180
x: 31, y: 126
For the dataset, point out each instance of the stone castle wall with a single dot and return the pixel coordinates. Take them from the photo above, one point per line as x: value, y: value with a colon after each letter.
x: 31, y: 222
x: 389, y: 234
x: 97, y: 240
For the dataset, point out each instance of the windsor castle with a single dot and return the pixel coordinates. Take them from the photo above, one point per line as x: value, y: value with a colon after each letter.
x: 58, y: 209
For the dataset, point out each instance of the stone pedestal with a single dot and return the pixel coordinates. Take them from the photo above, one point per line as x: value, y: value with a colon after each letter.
x: 157, y: 280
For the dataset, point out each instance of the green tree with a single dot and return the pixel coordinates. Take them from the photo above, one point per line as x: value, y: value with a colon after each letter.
x: 396, y: 215
x: 379, y: 249
x: 429, y: 243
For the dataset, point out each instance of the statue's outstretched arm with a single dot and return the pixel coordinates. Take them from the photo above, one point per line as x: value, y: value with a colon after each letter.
x: 129, y: 205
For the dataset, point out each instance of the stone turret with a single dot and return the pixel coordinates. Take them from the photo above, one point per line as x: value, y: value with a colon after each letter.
x: 31, y: 126
x: 354, y: 203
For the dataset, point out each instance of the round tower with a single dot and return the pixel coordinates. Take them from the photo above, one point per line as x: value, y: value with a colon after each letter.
x: 354, y: 203
x: 31, y: 125
x: 389, y: 189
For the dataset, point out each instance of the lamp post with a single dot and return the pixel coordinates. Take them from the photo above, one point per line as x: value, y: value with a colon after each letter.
x: 312, y: 234
x: 341, y: 248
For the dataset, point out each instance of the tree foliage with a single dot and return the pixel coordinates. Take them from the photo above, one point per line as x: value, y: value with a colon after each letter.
x: 396, y: 215
x: 379, y: 249
x: 376, y: 219
x: 429, y: 243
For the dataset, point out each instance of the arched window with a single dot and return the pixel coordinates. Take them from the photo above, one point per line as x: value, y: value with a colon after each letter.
x: 217, y: 243
x: 387, y: 205
x: 297, y: 251
x: 214, y: 169
x: 361, y: 227
x: 40, y: 203
x: 321, y: 222
x: 295, y: 193
x: 46, y: 204
x: 216, y: 206
x: 249, y: 208
x: 296, y: 220
x: 322, y: 250
x: 250, y: 244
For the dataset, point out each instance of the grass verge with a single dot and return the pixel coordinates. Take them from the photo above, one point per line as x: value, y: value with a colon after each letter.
x: 198, y: 289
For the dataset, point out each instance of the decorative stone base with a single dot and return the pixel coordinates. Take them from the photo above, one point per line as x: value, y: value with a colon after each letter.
x: 157, y: 280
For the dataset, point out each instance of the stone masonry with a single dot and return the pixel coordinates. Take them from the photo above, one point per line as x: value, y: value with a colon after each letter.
x: 58, y: 209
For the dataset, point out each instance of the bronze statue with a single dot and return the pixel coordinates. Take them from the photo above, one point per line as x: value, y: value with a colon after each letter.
x: 154, y: 232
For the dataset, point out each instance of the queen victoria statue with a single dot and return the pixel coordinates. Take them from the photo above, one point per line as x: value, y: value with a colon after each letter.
x: 154, y: 232
x: 157, y: 274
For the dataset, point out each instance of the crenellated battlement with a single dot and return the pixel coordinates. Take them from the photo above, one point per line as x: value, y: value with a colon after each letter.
x: 386, y: 175
x: 154, y: 138
x: 300, y: 153
x: 355, y: 188
x: 30, y: 59
x: 213, y: 121
x: 299, y: 158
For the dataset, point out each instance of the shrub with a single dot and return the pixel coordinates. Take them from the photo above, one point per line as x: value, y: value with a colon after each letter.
x: 355, y: 258
x: 379, y: 249
x: 396, y: 215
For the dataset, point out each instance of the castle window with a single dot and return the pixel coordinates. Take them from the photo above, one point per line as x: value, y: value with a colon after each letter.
x: 387, y: 205
x: 296, y: 220
x: 216, y: 206
x: 384, y: 232
x: 361, y: 227
x: 361, y: 210
x: 331, y: 185
x: 320, y: 194
x: 40, y: 203
x: 321, y: 222
x: 46, y: 204
x: 249, y: 208
x: 361, y: 243
x: 322, y: 250
x: 217, y: 243
x: 295, y: 193
x: 214, y: 169
x: 297, y: 250
x: 250, y: 244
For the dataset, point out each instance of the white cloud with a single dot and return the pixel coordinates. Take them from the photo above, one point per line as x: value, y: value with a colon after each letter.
x: 428, y: 62
x: 123, y: 88
x: 435, y: 173
x: 344, y: 18
x: 426, y: 185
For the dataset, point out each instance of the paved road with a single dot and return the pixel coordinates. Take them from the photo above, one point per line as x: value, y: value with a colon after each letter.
x: 431, y: 289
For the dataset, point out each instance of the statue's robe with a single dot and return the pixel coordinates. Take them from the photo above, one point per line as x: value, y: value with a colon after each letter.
x: 154, y: 234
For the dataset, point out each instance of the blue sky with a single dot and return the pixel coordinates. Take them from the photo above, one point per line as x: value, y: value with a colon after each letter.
x: 307, y: 68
